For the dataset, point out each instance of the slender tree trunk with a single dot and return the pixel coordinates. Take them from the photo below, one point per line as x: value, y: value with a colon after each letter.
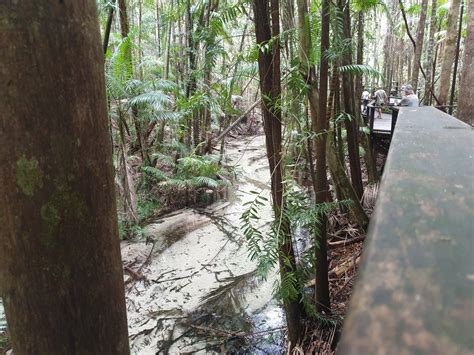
x: 365, y: 142
x: 125, y: 30
x: 323, y: 303
x: 60, y: 271
x: 331, y: 117
x: 449, y: 52
x: 456, y: 61
x: 130, y: 206
x: 158, y: 28
x: 409, y: 68
x: 466, y: 87
x: 108, y: 26
x: 360, y: 54
x: 269, y: 71
x: 349, y: 107
x: 420, y: 35
x: 342, y: 182
x: 309, y: 76
x: 429, y: 60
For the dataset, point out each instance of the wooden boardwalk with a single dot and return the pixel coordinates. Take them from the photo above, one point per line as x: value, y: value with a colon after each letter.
x: 383, y: 124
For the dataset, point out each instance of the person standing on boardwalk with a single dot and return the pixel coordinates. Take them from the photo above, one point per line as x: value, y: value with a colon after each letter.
x: 381, y: 99
x: 409, y: 99
x: 365, y: 101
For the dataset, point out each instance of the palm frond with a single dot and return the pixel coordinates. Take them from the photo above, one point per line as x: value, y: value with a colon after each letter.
x: 360, y: 69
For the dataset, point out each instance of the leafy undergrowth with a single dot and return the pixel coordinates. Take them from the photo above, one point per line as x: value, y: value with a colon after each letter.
x: 175, y: 179
x: 345, y: 247
x: 4, y: 342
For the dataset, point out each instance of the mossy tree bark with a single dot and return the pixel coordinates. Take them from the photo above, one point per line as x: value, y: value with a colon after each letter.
x: 60, y: 270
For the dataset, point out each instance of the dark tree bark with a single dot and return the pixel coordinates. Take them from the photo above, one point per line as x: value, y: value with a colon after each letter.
x: 108, y: 26
x: 365, y: 141
x: 192, y: 122
x: 349, y: 107
x: 429, y: 60
x: 456, y: 61
x: 323, y: 303
x: 124, y: 31
x: 270, y: 86
x: 420, y: 35
x: 60, y: 270
x: 360, y: 52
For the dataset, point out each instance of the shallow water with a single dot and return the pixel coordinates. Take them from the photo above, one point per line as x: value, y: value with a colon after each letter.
x: 200, y: 292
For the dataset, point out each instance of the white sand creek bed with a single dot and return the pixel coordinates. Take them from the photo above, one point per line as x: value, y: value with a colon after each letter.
x: 198, y: 289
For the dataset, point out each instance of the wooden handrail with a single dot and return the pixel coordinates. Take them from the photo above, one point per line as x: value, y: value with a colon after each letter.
x: 415, y: 292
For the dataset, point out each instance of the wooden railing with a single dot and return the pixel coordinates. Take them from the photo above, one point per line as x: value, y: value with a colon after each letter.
x: 415, y: 292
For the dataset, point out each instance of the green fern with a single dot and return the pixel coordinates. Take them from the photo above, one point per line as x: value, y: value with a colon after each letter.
x: 157, y: 174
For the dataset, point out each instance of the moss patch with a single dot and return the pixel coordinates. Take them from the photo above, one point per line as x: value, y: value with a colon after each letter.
x: 29, y: 176
x: 64, y: 206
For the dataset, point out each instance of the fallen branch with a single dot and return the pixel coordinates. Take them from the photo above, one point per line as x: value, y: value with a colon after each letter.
x: 219, y: 332
x: 135, y: 275
x: 343, y: 268
x: 346, y: 242
x: 237, y: 121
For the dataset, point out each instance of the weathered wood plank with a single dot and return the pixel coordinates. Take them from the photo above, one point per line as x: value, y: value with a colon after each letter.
x: 415, y: 294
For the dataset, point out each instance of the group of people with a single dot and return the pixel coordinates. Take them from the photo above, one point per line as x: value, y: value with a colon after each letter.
x: 380, y: 98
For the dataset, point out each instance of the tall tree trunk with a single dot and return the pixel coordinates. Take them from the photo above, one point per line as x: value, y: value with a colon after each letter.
x: 360, y: 54
x: 270, y: 86
x: 429, y: 60
x: 308, y: 74
x: 466, y: 87
x: 449, y: 52
x: 125, y: 30
x: 342, y: 182
x: 349, y: 107
x: 206, y: 129
x: 365, y: 142
x: 456, y: 61
x: 60, y: 270
x: 108, y: 26
x: 130, y: 206
x: 158, y: 28
x: 420, y: 35
x: 191, y: 83
x: 323, y: 302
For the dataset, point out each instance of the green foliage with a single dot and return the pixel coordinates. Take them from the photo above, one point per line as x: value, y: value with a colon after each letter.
x: 360, y: 69
x: 155, y: 174
x: 263, y: 247
x: 194, y: 165
x: 4, y: 342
